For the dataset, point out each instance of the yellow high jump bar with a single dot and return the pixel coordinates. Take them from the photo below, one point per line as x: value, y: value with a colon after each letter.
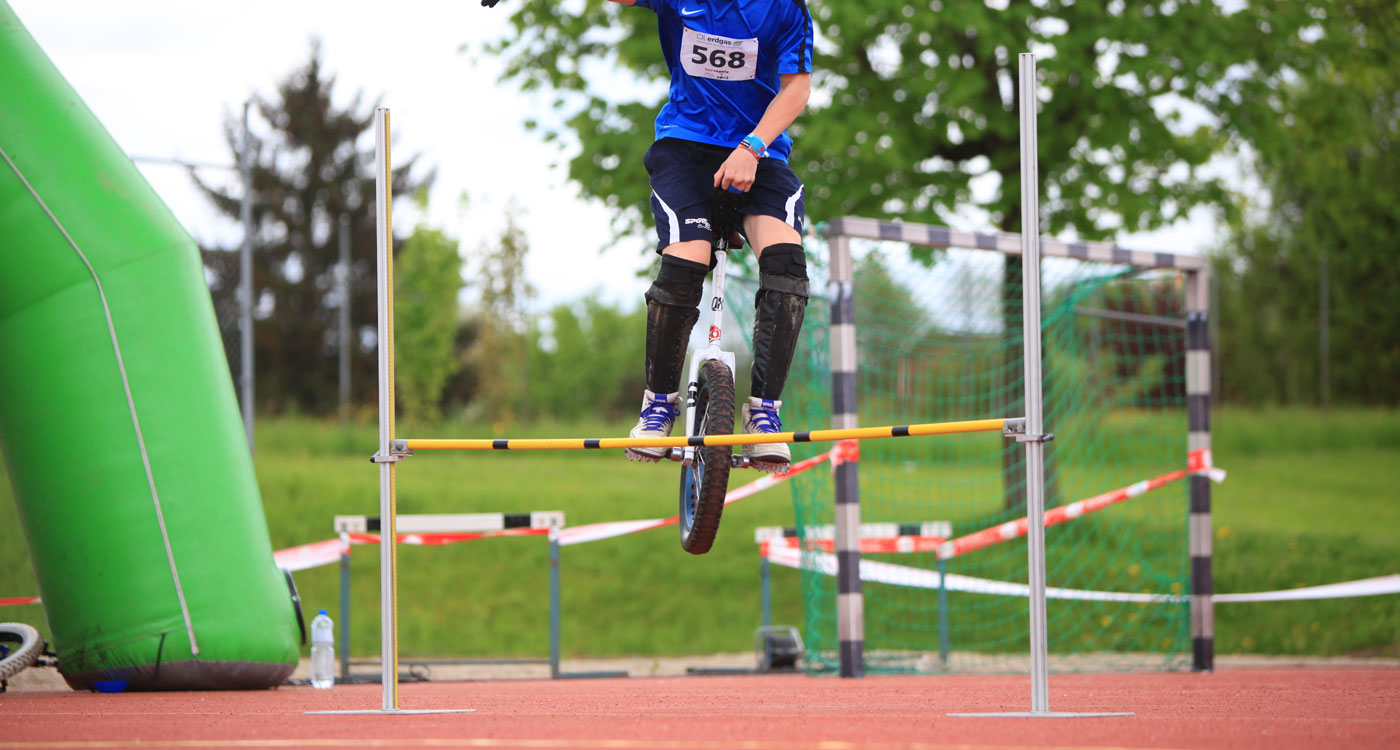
x: 1009, y: 426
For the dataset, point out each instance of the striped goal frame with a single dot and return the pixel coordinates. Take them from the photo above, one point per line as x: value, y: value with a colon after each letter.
x: 839, y: 233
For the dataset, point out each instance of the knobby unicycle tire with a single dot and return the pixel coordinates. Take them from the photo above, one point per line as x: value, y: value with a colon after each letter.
x: 706, y: 481
x: 25, y: 647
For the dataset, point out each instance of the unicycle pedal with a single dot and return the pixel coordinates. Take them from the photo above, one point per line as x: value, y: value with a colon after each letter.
x: 770, y: 467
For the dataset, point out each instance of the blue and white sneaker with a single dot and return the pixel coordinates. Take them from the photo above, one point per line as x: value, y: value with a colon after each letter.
x: 760, y: 416
x: 658, y: 416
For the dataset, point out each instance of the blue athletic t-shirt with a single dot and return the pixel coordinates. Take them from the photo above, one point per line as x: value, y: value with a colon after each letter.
x: 725, y: 58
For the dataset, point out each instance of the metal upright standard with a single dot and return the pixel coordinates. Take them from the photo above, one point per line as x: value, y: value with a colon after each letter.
x: 1035, y: 436
x: 388, y: 551
x: 388, y: 500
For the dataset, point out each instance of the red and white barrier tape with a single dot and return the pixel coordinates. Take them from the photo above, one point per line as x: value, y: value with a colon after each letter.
x: 312, y: 555
x: 1364, y: 587
x: 19, y: 601
x: 438, y: 538
x: 901, y: 575
x: 327, y: 552
x: 870, y: 545
x: 1197, y: 462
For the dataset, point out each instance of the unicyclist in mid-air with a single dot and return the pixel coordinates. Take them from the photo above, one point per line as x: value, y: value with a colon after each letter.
x: 740, y: 75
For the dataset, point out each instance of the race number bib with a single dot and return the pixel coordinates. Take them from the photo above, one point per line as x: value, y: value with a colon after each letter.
x: 718, y: 57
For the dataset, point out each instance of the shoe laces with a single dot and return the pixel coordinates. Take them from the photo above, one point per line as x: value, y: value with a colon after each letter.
x: 765, y: 418
x: 658, y: 413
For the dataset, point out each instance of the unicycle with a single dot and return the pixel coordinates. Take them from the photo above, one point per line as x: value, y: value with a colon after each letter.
x: 20, y: 648
x: 709, y: 401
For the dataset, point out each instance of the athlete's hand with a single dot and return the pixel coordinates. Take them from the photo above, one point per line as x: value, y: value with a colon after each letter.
x: 737, y: 171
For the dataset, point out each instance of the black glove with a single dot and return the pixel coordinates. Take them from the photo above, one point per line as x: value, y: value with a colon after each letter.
x: 489, y: 3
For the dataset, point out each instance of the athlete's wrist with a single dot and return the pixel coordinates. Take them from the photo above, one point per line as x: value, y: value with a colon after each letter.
x: 754, y: 145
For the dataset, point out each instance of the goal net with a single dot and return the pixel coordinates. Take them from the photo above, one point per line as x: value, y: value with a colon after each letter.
x: 939, y: 338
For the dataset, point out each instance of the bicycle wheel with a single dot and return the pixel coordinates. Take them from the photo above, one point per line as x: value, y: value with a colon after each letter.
x: 706, y: 481
x: 24, y: 644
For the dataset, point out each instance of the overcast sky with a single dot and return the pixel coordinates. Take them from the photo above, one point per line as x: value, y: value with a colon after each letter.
x: 162, y: 75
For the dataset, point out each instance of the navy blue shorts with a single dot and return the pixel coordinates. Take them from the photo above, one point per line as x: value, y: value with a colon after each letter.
x: 682, y: 184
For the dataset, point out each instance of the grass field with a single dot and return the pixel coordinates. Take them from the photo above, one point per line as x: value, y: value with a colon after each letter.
x: 1310, y: 499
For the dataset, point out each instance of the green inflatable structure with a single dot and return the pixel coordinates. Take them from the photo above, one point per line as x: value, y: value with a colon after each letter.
x: 118, y: 422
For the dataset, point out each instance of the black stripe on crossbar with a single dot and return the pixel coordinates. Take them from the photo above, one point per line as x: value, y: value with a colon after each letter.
x: 592, y: 443
x: 695, y: 440
x: 900, y: 431
x: 515, y: 520
x: 500, y: 445
x: 801, y: 437
x: 905, y: 529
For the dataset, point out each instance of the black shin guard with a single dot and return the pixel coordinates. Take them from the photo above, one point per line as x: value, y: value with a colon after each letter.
x: 779, y: 307
x: 672, y: 311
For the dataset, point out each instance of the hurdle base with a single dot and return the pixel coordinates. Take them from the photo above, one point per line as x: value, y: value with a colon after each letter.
x: 394, y: 711
x: 721, y: 670
x: 1040, y: 715
x: 603, y: 675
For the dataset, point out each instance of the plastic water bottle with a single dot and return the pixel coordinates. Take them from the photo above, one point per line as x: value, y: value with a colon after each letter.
x: 322, y: 651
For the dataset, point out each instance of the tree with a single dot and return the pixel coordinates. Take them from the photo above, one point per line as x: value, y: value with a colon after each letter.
x: 427, y: 279
x: 308, y: 171
x: 1327, y: 234
x: 914, y: 110
x: 915, y: 107
x: 499, y: 355
x: 593, y: 364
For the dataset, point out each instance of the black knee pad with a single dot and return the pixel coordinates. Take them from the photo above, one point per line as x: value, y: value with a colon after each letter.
x: 679, y: 283
x: 782, y: 267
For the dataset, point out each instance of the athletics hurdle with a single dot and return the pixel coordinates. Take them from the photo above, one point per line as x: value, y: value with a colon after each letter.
x: 447, y: 529
x: 875, y: 538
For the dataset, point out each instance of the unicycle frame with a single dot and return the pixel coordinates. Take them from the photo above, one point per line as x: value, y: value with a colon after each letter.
x: 712, y: 348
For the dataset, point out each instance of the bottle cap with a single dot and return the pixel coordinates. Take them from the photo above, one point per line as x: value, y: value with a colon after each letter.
x: 322, y: 612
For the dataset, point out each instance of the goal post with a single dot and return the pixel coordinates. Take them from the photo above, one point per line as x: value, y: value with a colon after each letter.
x: 920, y: 333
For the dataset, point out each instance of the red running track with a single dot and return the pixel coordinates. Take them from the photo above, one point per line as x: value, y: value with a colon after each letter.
x: 1264, y: 708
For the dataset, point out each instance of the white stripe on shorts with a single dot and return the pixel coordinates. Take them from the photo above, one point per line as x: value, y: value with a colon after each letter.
x: 791, y: 207
x: 673, y: 222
